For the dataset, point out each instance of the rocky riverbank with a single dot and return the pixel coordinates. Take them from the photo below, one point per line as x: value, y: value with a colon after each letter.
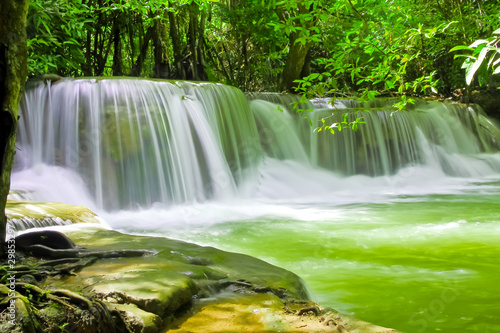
x: 112, y: 282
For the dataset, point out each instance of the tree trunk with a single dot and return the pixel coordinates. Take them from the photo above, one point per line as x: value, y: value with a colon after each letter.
x: 160, y: 44
x: 246, y: 69
x: 297, y: 55
x: 98, y: 37
x: 87, y: 65
x: 117, y: 48
x: 137, y: 66
x: 193, y: 56
x: 13, y: 71
x: 200, y: 48
x: 176, y: 46
x: 295, y: 61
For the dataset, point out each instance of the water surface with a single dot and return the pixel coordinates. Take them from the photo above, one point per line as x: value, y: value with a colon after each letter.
x: 417, y: 263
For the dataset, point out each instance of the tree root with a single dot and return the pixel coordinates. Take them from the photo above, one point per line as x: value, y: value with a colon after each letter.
x: 75, y: 313
x: 313, y: 309
x: 73, y: 297
x: 82, y: 313
x: 38, y: 294
x: 43, y: 251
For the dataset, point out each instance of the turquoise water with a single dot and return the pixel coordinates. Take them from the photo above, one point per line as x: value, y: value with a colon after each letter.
x: 417, y: 263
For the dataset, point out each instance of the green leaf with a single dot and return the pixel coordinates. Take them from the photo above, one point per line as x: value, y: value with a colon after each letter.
x: 460, y: 47
x: 482, y: 75
x: 313, y: 76
x: 478, y: 49
x: 470, y: 71
x: 478, y: 42
x: 468, y: 62
x: 464, y: 56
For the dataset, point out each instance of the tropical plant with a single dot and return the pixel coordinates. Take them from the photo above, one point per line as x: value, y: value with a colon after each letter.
x: 482, y: 60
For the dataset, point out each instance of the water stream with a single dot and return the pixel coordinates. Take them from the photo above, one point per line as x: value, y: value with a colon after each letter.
x: 397, y: 223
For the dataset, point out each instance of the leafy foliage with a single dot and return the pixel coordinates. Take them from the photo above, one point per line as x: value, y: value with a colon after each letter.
x: 360, y: 48
x: 56, y: 31
x: 339, y: 125
x: 484, y: 60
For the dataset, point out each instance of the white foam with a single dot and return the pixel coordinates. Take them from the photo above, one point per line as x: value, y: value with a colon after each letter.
x: 52, y: 183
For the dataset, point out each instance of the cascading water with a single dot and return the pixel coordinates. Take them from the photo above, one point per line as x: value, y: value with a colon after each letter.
x: 381, y: 222
x: 141, y: 142
x: 138, y: 142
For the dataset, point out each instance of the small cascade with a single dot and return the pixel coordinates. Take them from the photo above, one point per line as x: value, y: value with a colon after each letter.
x: 26, y: 222
x: 278, y: 132
x: 131, y: 143
x: 23, y: 215
x: 452, y: 137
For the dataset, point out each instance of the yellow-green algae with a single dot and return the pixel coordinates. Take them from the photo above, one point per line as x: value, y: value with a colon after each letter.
x: 268, y: 313
x: 34, y: 214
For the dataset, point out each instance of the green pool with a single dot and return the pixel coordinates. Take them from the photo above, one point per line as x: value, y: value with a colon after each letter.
x: 417, y: 263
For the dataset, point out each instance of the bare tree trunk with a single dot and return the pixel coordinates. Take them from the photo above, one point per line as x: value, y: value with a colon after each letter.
x: 193, y: 20
x: 200, y: 48
x: 117, y: 47
x: 137, y: 66
x: 98, y: 37
x: 13, y: 71
x: 297, y: 55
x: 87, y: 65
x: 176, y: 46
x: 160, y: 44
x: 246, y: 69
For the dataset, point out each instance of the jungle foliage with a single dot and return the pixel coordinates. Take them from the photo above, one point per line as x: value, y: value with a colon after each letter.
x: 326, y: 47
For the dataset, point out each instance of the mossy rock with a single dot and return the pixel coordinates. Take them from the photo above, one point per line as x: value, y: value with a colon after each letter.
x: 268, y: 313
x: 137, y: 320
x: 23, y: 215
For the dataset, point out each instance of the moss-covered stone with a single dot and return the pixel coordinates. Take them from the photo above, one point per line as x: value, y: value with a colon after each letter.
x: 268, y: 313
x: 185, y: 258
x: 28, y: 214
x: 23, y: 321
x: 138, y: 320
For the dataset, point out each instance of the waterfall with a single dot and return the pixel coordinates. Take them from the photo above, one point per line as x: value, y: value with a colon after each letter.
x: 454, y: 138
x: 136, y: 143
